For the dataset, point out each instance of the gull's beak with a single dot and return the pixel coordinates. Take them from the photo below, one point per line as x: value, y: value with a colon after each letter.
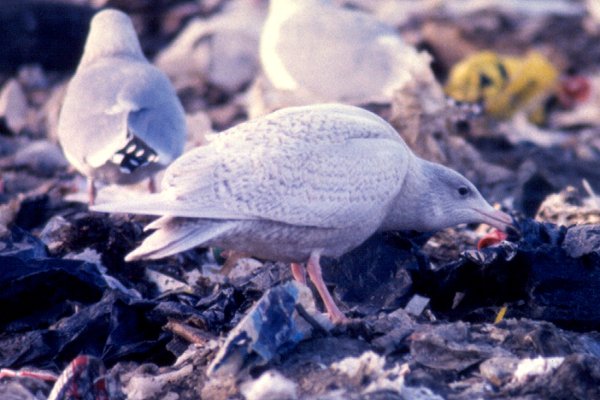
x: 496, y: 218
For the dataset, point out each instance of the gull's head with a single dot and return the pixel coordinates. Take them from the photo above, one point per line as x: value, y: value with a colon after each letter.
x: 111, y: 34
x: 454, y: 200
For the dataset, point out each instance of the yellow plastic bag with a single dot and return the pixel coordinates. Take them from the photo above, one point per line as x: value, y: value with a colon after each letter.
x: 504, y: 84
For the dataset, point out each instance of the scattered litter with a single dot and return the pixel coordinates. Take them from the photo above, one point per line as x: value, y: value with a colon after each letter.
x: 531, y: 367
x: 371, y: 367
x: 271, y: 327
x: 499, y: 370
x: 144, y: 386
x: 535, y: 269
x: 271, y: 385
x: 166, y: 283
x: 501, y: 314
x: 505, y: 84
x: 494, y: 237
x: 416, y: 305
x: 84, y: 376
x: 568, y: 208
x: 28, y: 373
x: 448, y: 348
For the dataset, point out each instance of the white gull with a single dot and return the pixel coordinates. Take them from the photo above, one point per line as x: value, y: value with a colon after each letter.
x: 302, y: 183
x: 121, y: 120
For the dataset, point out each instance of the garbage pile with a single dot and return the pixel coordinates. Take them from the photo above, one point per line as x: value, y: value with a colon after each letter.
x: 463, y: 313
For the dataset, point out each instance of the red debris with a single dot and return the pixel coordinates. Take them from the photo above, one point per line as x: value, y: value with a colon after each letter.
x: 28, y: 373
x: 573, y: 90
x: 83, y: 379
x: 491, y: 238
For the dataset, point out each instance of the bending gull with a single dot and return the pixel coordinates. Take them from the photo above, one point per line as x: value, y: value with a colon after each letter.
x: 121, y: 120
x: 301, y: 183
x: 328, y: 53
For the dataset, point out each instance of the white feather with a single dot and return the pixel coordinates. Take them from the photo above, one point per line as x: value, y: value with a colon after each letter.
x: 173, y: 237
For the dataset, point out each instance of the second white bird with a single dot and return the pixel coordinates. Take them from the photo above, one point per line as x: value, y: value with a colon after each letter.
x: 121, y: 120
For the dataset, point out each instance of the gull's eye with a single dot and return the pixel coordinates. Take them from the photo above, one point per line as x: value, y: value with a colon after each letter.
x: 463, y: 191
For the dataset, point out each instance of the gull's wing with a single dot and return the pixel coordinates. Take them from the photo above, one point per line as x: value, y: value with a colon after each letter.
x: 327, y: 123
x: 159, y: 120
x: 335, y: 178
x: 115, y: 98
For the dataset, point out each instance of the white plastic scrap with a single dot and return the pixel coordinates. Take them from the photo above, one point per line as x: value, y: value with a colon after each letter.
x: 245, y: 267
x: 417, y: 305
x: 146, y: 386
x: 372, y: 365
x: 531, y: 367
x: 166, y: 283
x: 271, y: 385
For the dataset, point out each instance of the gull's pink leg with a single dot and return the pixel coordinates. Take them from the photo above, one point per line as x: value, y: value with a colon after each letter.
x: 91, y: 185
x: 299, y: 273
x: 313, y: 267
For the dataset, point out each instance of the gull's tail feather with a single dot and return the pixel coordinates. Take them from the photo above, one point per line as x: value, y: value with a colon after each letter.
x: 174, y: 235
x: 150, y: 204
x: 159, y: 204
